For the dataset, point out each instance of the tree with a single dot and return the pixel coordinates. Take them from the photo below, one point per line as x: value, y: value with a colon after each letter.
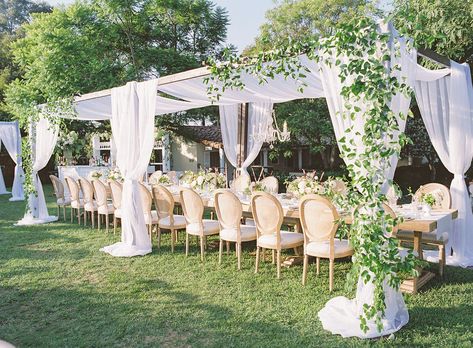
x: 13, y: 13
x: 99, y: 44
x: 445, y: 27
x: 302, y: 19
x: 292, y: 20
x: 309, y: 122
x: 441, y: 25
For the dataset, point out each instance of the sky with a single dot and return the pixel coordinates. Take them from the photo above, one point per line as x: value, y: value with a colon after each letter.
x: 246, y: 16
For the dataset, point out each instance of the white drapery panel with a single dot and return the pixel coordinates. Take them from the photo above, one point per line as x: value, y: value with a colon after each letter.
x: 342, y: 315
x: 43, y: 137
x: 11, y: 138
x: 446, y: 106
x: 259, y: 117
x: 3, y: 189
x: 229, y: 129
x: 133, y: 110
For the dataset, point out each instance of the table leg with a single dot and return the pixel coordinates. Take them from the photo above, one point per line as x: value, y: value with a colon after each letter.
x: 417, y: 244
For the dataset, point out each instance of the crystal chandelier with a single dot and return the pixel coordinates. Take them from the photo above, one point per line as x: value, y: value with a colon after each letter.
x: 271, y: 133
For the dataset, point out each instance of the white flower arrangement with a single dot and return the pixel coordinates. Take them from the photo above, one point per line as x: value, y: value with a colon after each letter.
x: 305, y: 185
x: 202, y: 180
x: 115, y: 175
x: 432, y: 199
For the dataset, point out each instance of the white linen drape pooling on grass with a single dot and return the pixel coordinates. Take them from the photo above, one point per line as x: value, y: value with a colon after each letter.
x: 259, y: 117
x: 44, y: 137
x: 341, y: 315
x: 446, y: 106
x: 10, y: 137
x: 133, y: 110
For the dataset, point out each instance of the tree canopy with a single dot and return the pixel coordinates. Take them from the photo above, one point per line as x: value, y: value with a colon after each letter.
x: 13, y: 13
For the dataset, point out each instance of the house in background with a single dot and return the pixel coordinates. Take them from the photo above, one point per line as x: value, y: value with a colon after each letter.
x: 200, y: 147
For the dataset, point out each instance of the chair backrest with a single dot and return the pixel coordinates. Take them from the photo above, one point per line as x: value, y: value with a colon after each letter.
x: 192, y: 205
x: 163, y: 200
x: 155, y: 176
x: 270, y: 184
x: 318, y: 218
x: 444, y: 194
x: 100, y: 192
x: 58, y: 187
x: 87, y: 190
x: 74, y: 188
x: 268, y: 213
x: 146, y: 199
x: 241, y: 183
x: 228, y: 208
x: 116, y: 190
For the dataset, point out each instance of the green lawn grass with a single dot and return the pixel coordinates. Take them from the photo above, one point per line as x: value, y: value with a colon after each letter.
x: 58, y: 289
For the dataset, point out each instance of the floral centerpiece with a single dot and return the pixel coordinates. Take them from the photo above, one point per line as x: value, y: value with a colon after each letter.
x: 304, y: 185
x: 161, y: 180
x: 115, y: 175
x: 96, y: 174
x: 432, y: 199
x: 202, y: 180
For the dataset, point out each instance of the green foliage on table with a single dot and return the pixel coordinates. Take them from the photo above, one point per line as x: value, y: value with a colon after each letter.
x: 376, y: 258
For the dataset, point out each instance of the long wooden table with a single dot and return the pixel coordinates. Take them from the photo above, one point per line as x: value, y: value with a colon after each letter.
x: 418, y: 226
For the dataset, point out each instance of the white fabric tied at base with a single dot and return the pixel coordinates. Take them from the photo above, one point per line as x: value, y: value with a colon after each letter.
x: 446, y: 106
x: 341, y: 315
x: 11, y: 138
x: 44, y: 137
x: 133, y: 109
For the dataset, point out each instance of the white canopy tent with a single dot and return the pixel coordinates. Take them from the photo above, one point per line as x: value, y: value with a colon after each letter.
x: 131, y: 109
x: 10, y: 137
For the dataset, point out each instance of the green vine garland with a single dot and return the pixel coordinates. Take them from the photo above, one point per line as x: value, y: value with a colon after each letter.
x: 362, y: 55
x: 55, y: 111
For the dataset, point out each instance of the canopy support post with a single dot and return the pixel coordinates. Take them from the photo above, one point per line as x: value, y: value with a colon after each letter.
x: 242, y: 130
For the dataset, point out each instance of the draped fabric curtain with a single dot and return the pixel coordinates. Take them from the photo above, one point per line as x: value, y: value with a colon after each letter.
x: 259, y: 118
x: 133, y: 110
x: 3, y: 188
x: 342, y: 315
x: 446, y: 106
x: 43, y: 137
x: 10, y: 137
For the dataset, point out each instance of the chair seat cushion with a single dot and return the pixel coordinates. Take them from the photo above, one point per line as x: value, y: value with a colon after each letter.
x: 247, y: 233
x: 154, y: 218
x: 210, y: 227
x: 106, y: 209
x: 77, y: 204
x: 63, y: 201
x: 322, y: 249
x: 288, y: 240
x: 428, y: 238
x: 179, y: 222
x: 90, y: 206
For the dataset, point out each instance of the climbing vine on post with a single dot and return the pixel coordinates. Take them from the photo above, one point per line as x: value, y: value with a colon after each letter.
x: 55, y: 112
x: 362, y: 55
